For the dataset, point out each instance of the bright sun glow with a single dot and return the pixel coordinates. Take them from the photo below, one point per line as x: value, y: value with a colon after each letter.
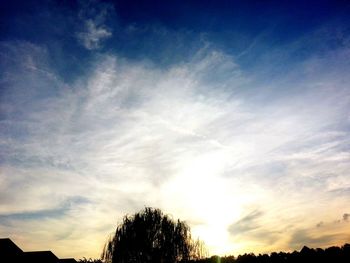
x: 200, y: 190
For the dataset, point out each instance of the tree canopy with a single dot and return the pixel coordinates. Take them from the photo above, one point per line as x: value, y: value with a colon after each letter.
x: 151, y: 236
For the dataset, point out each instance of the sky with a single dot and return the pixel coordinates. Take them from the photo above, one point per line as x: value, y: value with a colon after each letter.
x: 233, y: 116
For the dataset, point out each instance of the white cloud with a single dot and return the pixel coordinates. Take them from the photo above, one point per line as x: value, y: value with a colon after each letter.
x: 201, y: 146
x: 93, y: 34
x: 94, y: 29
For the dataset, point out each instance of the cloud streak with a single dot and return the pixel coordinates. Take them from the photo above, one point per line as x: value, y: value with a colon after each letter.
x: 246, y: 223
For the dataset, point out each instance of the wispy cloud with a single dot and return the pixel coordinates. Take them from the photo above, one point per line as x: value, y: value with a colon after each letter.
x: 94, y: 30
x: 302, y: 237
x: 93, y: 35
x: 246, y: 223
x: 203, y: 140
x: 45, y: 213
x: 331, y: 234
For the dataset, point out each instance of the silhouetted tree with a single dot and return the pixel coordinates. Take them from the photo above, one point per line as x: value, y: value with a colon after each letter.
x: 198, y: 250
x: 151, y: 236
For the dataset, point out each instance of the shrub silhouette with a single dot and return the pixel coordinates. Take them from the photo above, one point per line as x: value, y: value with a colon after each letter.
x: 151, y: 236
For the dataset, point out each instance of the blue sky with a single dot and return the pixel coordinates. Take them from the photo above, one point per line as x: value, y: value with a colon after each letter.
x: 231, y: 115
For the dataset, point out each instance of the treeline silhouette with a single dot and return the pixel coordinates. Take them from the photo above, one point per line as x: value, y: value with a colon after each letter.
x: 330, y: 255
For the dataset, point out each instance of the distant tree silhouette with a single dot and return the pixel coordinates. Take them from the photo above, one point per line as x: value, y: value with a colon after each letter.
x: 90, y: 260
x: 306, y: 255
x: 151, y: 236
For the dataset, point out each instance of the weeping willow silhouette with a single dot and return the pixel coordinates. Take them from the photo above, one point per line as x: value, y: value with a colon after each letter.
x: 151, y: 236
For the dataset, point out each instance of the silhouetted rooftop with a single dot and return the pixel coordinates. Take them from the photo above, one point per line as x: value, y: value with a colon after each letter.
x: 10, y: 252
x: 41, y: 257
x: 8, y: 249
x: 68, y: 260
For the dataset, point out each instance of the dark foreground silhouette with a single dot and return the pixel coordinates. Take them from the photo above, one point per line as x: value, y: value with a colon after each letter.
x: 310, y: 255
x: 10, y: 252
x: 150, y: 236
